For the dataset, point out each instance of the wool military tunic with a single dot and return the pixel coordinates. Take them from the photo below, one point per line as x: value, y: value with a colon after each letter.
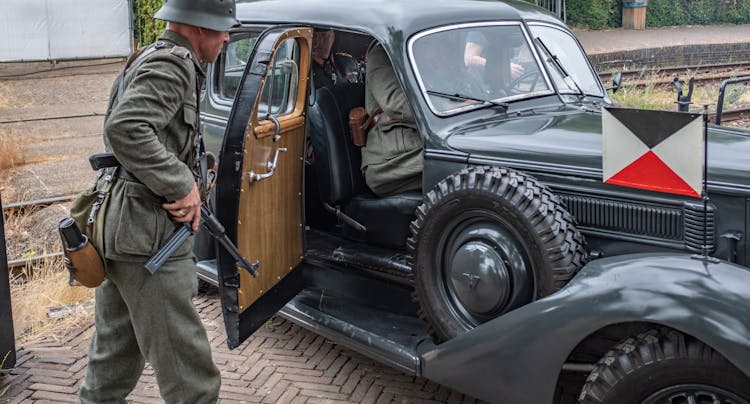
x: 392, y: 160
x: 151, y: 130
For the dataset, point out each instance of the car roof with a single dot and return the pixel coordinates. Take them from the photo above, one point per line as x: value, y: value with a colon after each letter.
x: 388, y: 20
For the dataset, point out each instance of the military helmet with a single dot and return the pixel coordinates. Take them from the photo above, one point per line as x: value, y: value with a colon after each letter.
x: 218, y: 15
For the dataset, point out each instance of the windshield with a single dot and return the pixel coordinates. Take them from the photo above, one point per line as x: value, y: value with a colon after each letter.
x: 572, y: 59
x: 470, y: 67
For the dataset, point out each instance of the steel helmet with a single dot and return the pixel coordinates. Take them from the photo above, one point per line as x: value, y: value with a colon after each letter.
x: 218, y: 15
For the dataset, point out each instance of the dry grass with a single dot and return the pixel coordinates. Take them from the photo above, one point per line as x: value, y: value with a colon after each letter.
x: 41, y: 288
x: 665, y: 97
x: 44, y: 285
x: 11, y: 152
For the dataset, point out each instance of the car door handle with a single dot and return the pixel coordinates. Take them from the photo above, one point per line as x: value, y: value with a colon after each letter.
x: 271, y: 165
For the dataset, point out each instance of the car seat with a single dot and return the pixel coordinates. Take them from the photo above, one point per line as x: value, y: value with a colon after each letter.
x: 341, y: 185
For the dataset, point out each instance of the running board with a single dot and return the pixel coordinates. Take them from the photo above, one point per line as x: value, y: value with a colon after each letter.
x: 395, y: 354
x: 207, y: 272
x: 390, y: 338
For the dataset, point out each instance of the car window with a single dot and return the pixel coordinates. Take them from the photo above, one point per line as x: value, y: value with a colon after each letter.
x: 562, y: 44
x: 232, y: 63
x: 280, y: 90
x: 460, y: 67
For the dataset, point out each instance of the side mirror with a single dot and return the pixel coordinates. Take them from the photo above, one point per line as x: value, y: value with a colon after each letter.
x: 616, y: 81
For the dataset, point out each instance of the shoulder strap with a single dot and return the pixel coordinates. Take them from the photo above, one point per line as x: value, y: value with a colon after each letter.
x: 138, y: 57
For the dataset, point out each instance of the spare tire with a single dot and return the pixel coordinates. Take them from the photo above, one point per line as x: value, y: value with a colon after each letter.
x: 487, y: 240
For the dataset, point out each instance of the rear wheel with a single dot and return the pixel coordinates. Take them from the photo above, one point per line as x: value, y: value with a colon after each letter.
x: 664, y: 367
x: 486, y: 241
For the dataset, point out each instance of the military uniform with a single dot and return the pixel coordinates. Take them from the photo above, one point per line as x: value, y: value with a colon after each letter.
x: 392, y: 160
x: 151, y: 129
x: 336, y: 69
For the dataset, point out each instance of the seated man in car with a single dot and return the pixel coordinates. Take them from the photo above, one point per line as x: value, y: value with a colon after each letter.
x: 328, y: 69
x: 392, y: 160
x: 474, y: 57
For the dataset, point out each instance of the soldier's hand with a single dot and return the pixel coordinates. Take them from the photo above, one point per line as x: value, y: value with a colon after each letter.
x: 187, y: 209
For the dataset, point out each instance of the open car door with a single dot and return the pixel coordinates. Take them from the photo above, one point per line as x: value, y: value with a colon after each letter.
x: 259, y: 186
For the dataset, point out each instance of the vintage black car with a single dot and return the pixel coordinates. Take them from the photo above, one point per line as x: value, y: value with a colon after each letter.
x: 516, y: 275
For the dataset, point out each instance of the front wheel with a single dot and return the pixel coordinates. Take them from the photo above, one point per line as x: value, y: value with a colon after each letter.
x: 664, y: 367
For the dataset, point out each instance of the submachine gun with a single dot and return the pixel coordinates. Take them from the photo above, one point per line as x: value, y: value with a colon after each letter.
x: 183, y: 230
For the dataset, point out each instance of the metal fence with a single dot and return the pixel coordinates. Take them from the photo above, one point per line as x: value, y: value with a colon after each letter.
x: 7, y: 338
x: 555, y: 6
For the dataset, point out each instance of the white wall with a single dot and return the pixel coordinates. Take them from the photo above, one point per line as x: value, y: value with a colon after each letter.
x: 64, y: 29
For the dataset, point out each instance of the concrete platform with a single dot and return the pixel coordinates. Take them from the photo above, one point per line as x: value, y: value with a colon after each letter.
x: 667, y: 46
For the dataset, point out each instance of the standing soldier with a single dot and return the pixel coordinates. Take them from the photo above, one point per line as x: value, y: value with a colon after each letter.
x: 152, y: 129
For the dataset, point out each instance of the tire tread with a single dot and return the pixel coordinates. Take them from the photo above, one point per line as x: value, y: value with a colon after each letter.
x: 550, y: 220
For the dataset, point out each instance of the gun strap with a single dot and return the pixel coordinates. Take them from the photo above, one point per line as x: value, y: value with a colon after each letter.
x: 200, y: 164
x: 95, y: 228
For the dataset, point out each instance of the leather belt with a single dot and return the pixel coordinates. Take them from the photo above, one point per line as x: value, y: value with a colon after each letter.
x: 127, y: 176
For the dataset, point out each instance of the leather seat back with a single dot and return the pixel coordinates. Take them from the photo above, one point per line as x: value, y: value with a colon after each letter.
x: 336, y: 160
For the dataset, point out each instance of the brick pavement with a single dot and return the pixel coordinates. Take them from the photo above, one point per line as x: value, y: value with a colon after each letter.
x: 280, y: 363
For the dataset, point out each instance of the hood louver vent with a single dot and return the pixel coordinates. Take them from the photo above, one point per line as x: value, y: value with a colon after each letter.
x: 677, y: 226
x: 694, y: 227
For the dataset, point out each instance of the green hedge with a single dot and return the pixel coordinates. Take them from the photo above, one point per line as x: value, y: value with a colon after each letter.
x: 147, y: 29
x: 597, y: 14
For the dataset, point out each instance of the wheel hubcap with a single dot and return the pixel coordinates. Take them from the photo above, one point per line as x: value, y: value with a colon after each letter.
x: 479, y: 278
x: 694, y: 394
x: 485, y: 269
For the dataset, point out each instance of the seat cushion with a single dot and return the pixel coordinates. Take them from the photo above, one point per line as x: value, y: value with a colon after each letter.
x: 336, y: 160
x: 387, y: 219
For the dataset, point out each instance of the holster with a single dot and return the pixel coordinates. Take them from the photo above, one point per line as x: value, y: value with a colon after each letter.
x: 360, y: 123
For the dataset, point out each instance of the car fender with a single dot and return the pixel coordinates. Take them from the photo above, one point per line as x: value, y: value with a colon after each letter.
x: 516, y: 358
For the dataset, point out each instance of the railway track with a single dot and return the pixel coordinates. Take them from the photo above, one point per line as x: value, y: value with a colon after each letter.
x: 666, y: 75
x: 37, y: 203
x: 19, y: 265
x: 732, y: 115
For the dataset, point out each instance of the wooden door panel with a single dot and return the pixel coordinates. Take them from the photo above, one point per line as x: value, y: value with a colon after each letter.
x: 277, y: 203
x: 270, y: 218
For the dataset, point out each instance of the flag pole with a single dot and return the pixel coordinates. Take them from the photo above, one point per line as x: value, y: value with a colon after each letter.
x: 704, y: 190
x: 704, y: 193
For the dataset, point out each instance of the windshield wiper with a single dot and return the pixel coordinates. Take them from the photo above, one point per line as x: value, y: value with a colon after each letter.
x: 569, y: 81
x: 462, y: 97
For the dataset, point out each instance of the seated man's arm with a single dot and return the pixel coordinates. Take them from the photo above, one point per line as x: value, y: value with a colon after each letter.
x: 384, y: 86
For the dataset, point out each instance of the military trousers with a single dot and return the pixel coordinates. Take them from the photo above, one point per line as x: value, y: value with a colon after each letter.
x: 139, y: 317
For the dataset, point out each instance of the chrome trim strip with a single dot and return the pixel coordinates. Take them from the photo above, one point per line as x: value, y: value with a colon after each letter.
x: 591, y: 173
x: 214, y: 119
x: 546, y: 168
x: 446, y: 155
x: 451, y: 112
x: 591, y: 68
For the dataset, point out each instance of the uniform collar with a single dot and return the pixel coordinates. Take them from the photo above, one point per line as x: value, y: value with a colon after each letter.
x: 180, y: 40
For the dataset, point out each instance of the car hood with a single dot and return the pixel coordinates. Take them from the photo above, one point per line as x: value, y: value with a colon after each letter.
x: 569, y: 141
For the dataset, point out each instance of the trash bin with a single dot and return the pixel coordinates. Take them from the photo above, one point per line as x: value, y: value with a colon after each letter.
x: 634, y: 14
x: 7, y: 338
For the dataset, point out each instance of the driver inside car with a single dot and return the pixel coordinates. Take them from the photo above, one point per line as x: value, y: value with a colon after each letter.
x: 476, y: 43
